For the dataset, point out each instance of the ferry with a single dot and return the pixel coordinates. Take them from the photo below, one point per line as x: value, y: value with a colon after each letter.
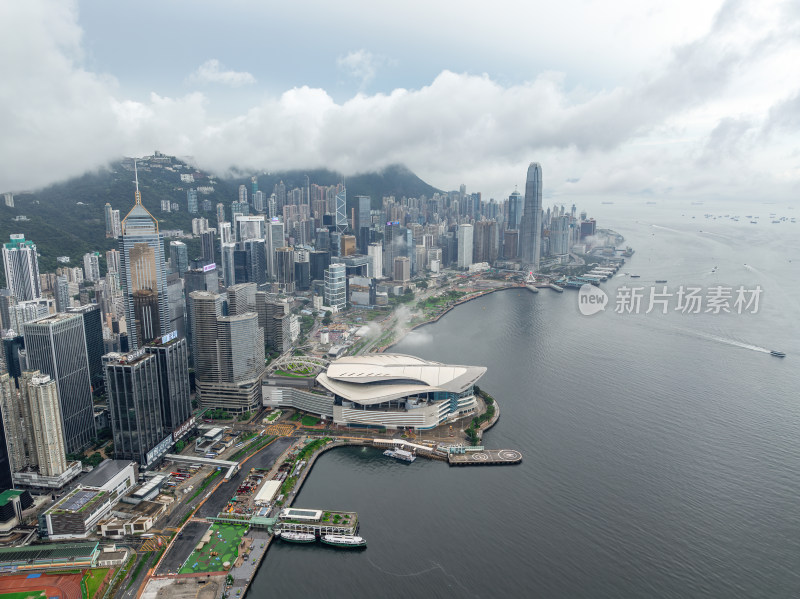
x: 400, y: 454
x: 297, y: 537
x: 347, y: 541
x: 661, y: 280
x: 635, y: 276
x: 777, y: 354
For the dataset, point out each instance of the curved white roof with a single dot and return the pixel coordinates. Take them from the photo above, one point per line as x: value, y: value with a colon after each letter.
x: 377, y: 378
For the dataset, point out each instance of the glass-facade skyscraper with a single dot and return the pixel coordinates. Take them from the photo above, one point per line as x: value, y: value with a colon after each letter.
x: 143, y: 275
x: 531, y: 224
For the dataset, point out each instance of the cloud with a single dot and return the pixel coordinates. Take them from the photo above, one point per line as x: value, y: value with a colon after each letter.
x: 360, y: 65
x: 711, y: 118
x: 211, y: 71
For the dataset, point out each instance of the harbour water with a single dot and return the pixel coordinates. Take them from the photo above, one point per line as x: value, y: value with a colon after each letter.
x: 662, y: 451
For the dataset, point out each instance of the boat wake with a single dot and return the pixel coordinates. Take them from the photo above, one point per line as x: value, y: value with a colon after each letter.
x: 433, y: 568
x: 727, y: 341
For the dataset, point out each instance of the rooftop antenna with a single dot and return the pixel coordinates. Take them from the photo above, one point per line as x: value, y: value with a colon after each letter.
x: 136, y: 172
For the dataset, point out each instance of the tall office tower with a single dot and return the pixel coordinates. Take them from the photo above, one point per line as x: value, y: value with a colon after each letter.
x: 243, y: 194
x: 220, y: 213
x: 91, y: 266
x: 335, y: 294
x: 207, y: 246
x: 250, y: 227
x: 228, y: 354
x: 284, y: 266
x: 112, y: 261
x: 143, y: 275
x: 172, y: 355
x: 274, y: 319
x: 348, y: 245
x: 560, y: 237
x: 191, y: 201
x: 93, y: 332
x: 531, y: 224
x: 228, y: 264
x: 134, y: 401
x: 302, y: 271
x: 511, y: 244
x: 178, y: 257
x: 177, y: 304
x: 256, y: 261
x: 40, y: 393
x: 363, y: 222
x: 375, y: 251
x: 465, y: 236
x: 109, y: 213
x: 322, y: 241
x: 225, y: 233
x: 242, y: 298
x: 341, y: 210
x: 515, y: 207
x: 201, y: 277
x: 56, y: 345
x: 394, y: 245
x: 319, y: 261
x: 22, y: 268
x: 485, y: 241
x: 272, y: 206
x: 402, y: 269
x: 275, y: 239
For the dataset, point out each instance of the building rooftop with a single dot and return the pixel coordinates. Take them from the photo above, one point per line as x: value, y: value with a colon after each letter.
x: 103, y: 473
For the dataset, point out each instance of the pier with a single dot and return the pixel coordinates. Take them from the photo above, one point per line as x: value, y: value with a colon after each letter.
x: 485, y: 457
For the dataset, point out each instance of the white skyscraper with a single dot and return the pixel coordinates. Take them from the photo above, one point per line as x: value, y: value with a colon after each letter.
x: 22, y: 268
x: 91, y: 266
x: 465, y: 236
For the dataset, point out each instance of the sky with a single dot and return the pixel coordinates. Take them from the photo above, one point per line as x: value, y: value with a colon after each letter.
x: 689, y: 99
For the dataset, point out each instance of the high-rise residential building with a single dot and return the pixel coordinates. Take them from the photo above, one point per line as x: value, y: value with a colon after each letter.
x: 465, y: 239
x: 61, y: 293
x: 259, y: 201
x: 228, y: 264
x: 531, y: 224
x: 243, y: 194
x: 191, y: 201
x: 93, y: 331
x: 108, y: 210
x: 134, y: 402
x: 22, y: 268
x: 284, y: 263
x: 341, y: 210
x: 22, y: 312
x: 228, y: 354
x: 560, y: 236
x: 375, y: 251
x: 225, y: 233
x: 8, y: 197
x: 178, y: 257
x: 335, y: 291
x: 220, y: 213
x: 402, y: 269
x: 112, y: 261
x: 172, y: 355
x: 40, y: 393
x: 91, y: 266
x: 116, y: 224
x: 56, y: 345
x: 15, y: 423
x: 143, y: 275
x: 199, y: 226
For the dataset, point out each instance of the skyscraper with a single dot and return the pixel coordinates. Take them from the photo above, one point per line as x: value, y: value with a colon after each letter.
x: 531, y: 224
x: 91, y: 266
x: 172, y: 354
x: 191, y: 201
x: 207, y: 246
x: 22, y: 268
x: 143, y: 275
x: 341, y: 210
x: 40, y: 393
x: 515, y: 207
x: 56, y: 345
x: 93, y: 331
x: 178, y: 257
x: 335, y: 293
x: 284, y: 264
x: 465, y: 239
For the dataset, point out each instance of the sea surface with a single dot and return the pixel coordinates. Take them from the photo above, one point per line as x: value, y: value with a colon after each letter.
x: 661, y: 451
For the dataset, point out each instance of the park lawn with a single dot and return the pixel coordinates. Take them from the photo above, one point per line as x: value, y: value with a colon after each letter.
x: 309, y: 420
x: 93, y: 579
x: 24, y: 595
x: 225, y: 540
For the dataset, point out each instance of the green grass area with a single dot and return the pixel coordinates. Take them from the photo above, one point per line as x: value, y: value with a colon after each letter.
x: 296, y: 416
x: 140, y: 564
x: 274, y: 416
x: 296, y: 375
x: 205, y: 483
x: 308, y: 420
x: 24, y: 595
x: 93, y: 580
x: 225, y: 540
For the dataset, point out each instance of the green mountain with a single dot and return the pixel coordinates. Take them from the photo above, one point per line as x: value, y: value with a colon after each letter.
x: 68, y: 218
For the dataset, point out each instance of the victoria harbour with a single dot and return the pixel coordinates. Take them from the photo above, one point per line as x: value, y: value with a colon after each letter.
x: 661, y: 454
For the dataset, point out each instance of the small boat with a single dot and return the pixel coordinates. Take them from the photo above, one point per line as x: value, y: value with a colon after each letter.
x: 297, y: 537
x: 400, y: 454
x: 346, y: 541
x: 635, y: 276
x: 777, y: 354
x: 661, y: 280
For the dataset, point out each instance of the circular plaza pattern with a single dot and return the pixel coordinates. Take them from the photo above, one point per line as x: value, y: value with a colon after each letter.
x: 509, y: 455
x: 480, y: 457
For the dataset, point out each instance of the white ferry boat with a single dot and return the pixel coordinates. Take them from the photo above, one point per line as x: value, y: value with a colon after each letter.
x: 297, y: 537
x: 400, y: 454
x: 347, y: 541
